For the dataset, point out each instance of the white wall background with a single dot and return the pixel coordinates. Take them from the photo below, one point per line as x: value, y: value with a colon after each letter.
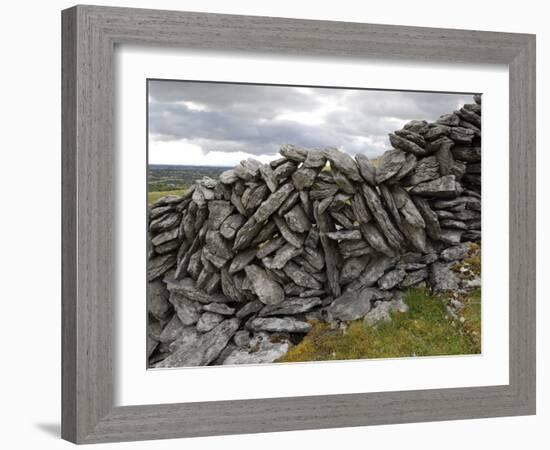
x: 30, y: 223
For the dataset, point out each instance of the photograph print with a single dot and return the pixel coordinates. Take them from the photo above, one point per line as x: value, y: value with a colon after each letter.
x: 295, y: 223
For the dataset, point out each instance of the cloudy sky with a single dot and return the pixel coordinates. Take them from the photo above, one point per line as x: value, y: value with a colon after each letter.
x: 219, y: 124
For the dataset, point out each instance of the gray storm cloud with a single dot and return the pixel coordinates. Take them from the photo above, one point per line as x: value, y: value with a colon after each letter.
x: 257, y: 119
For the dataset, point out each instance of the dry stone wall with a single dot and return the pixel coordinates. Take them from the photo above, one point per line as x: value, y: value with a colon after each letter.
x: 239, y: 265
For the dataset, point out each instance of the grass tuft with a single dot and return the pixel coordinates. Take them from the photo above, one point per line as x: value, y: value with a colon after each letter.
x: 425, y: 330
x: 152, y: 197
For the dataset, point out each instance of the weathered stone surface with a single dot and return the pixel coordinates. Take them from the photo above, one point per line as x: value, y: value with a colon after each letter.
x: 445, y: 159
x: 293, y: 238
x: 231, y: 225
x: 284, y: 171
x: 297, y: 220
x: 407, y: 208
x: 366, y: 168
x: 389, y: 164
x: 436, y: 132
x: 229, y: 176
x: 453, y: 224
x: 315, y: 159
x: 391, y: 279
x: 218, y: 212
x: 455, y: 253
x: 374, y: 270
x: 284, y: 255
x: 303, y: 178
x: 353, y: 305
x: 415, y: 235
x: 219, y: 308
x: 410, y: 135
x: 188, y: 288
x: 406, y: 145
x: 291, y: 306
x: 469, y: 116
x: 293, y: 153
x: 187, y: 311
x: 157, y: 299
x: 342, y: 182
x: 246, y: 234
x: 261, y: 351
x: 462, y: 135
x: 413, y: 278
x: 242, y: 259
x: 444, y: 187
x: 417, y: 126
x: 301, y: 277
x: 443, y: 278
x: 433, y: 228
x: 165, y: 237
x: 375, y: 239
x: 160, y: 265
x: 265, y: 287
x: 269, y: 177
x: 467, y: 154
x: 426, y: 169
x: 382, y: 311
x: 165, y: 222
x: 352, y: 268
x: 392, y: 234
x: 343, y: 162
x: 201, y: 350
x: 273, y: 202
x: 344, y: 235
x: 407, y: 167
x: 451, y: 120
x: 208, y: 321
x: 270, y: 247
x: 279, y: 324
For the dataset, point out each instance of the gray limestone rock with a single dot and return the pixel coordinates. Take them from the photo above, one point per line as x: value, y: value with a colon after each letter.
x: 159, y: 265
x: 278, y: 324
x: 273, y: 202
x: 284, y: 255
x: 366, y: 168
x: 444, y: 187
x: 201, y: 350
x: 291, y: 306
x: 297, y: 220
x: 343, y: 162
x: 389, y: 164
x: 293, y: 153
x: 208, y: 321
x: 391, y: 279
x: 157, y: 299
x: 455, y: 253
x: 443, y: 278
x: 406, y: 145
x: 303, y: 178
x: 353, y: 305
x: 265, y: 287
x: 261, y: 350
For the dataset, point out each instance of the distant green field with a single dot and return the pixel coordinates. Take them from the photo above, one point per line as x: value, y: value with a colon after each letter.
x: 152, y: 197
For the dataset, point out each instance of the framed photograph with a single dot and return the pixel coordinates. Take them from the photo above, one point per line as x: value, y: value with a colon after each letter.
x: 277, y: 224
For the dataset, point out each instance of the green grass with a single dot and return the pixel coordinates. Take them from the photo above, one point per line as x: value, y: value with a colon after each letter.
x: 152, y: 197
x: 425, y: 330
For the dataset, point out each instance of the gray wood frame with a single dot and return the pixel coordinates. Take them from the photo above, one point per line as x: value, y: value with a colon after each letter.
x: 89, y: 36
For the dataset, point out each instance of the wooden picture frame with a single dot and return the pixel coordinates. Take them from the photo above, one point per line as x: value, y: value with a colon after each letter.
x: 90, y: 34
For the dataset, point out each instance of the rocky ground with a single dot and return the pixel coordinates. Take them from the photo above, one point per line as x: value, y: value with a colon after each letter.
x: 242, y: 267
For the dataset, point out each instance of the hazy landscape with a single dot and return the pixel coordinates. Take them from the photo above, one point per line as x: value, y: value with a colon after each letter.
x: 165, y: 179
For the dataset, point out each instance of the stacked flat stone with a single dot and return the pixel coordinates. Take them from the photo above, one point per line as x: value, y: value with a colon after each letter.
x: 239, y: 266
